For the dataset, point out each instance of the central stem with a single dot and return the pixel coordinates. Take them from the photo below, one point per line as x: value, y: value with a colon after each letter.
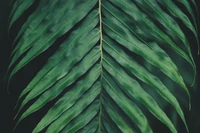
x: 100, y: 27
x: 101, y: 64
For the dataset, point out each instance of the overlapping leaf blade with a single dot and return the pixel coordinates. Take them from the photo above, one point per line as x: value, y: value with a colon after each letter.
x: 97, y: 66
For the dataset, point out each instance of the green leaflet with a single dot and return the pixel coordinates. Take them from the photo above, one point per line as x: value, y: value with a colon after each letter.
x: 45, y: 41
x: 56, y: 89
x: 97, y: 66
x: 179, y: 14
x: 41, y: 11
x: 70, y: 43
x: 153, y: 30
x: 83, y: 119
x: 137, y: 93
x: 171, y: 27
x: 133, y: 112
x: 61, y: 71
x: 38, y: 26
x: 125, y: 38
x: 91, y: 127
x: 123, y: 124
x: 18, y: 8
x: 189, y: 9
x: 143, y: 75
x: 172, y: 8
x: 68, y: 115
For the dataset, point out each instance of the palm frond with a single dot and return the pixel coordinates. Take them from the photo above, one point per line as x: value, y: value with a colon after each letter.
x: 101, y: 64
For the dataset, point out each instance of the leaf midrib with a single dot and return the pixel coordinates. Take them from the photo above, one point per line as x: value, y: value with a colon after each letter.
x: 101, y: 64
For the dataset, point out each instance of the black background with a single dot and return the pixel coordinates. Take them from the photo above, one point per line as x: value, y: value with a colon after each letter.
x: 19, y: 81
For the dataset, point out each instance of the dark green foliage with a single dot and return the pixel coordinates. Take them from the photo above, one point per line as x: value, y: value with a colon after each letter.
x: 114, y: 59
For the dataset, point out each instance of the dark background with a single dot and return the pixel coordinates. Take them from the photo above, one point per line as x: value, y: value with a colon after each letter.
x: 19, y: 82
x: 7, y: 100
